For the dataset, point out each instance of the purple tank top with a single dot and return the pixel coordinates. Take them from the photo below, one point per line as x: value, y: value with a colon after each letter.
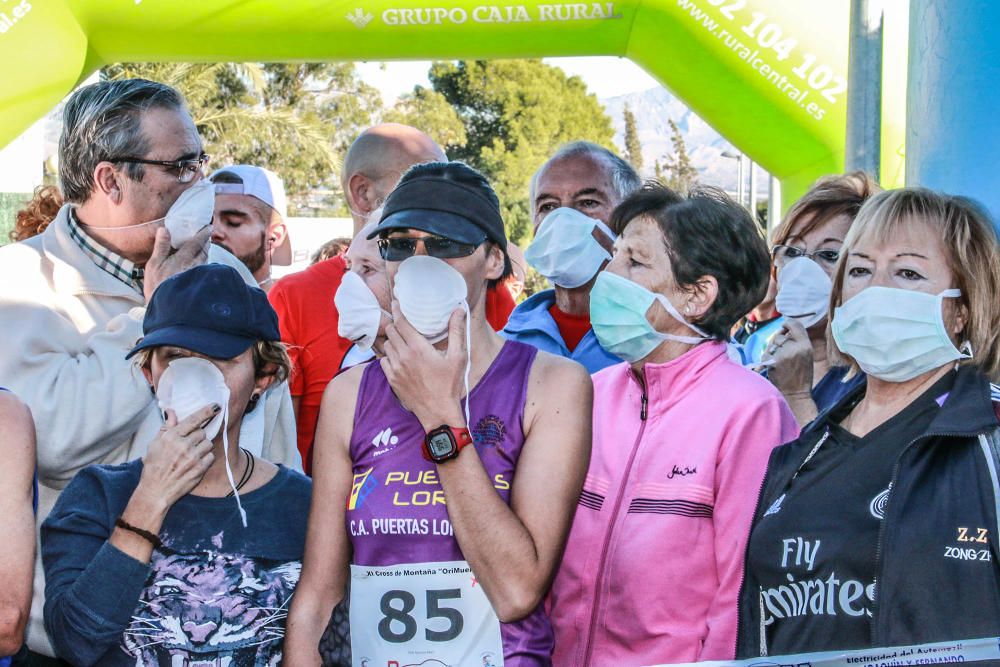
x: 396, y: 493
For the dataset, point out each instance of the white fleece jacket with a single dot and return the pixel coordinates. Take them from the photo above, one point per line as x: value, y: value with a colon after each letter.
x: 66, y: 328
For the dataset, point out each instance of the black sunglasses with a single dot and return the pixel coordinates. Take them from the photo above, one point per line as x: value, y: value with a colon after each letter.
x: 398, y: 248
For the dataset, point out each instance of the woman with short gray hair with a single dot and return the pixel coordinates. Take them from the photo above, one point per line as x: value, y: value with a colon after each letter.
x: 681, y: 434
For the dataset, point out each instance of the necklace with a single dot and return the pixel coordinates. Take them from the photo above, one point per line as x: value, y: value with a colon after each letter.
x: 247, y: 472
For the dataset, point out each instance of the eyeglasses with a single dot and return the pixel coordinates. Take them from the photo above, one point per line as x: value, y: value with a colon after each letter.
x: 785, y: 253
x: 398, y: 248
x: 186, y: 169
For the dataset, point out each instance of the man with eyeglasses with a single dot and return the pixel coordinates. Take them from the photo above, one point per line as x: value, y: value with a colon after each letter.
x: 73, y: 298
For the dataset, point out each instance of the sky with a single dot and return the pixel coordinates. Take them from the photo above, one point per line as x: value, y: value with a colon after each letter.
x: 606, y: 76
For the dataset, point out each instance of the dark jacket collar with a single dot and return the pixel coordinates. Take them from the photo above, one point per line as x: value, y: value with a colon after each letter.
x: 968, y: 409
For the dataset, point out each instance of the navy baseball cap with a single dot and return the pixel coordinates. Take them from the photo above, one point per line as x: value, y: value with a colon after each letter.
x: 439, y: 205
x: 210, y: 310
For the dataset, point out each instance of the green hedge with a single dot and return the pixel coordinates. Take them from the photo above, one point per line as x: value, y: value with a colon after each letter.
x: 10, y: 203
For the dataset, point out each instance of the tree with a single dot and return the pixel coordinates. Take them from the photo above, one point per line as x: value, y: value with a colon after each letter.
x: 428, y: 110
x: 515, y: 114
x: 295, y: 119
x: 658, y: 172
x: 633, y: 147
x: 681, y: 173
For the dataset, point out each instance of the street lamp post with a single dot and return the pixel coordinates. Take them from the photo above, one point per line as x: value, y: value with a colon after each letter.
x: 739, y: 175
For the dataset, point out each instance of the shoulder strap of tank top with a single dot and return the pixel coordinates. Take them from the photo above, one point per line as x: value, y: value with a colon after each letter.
x: 520, y: 360
x: 373, y: 380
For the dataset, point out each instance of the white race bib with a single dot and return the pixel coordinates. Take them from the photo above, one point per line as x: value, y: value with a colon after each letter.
x: 423, y: 613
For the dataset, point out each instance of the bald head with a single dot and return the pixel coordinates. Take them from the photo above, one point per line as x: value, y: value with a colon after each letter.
x: 376, y: 161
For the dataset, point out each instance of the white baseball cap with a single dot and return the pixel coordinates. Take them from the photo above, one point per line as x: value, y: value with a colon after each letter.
x: 256, y: 182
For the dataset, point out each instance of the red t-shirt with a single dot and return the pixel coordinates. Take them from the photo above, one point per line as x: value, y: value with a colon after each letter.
x: 499, y: 305
x: 308, y: 322
x: 572, y: 328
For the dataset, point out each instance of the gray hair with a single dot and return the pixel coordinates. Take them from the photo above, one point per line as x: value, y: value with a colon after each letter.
x: 104, y: 120
x: 624, y: 180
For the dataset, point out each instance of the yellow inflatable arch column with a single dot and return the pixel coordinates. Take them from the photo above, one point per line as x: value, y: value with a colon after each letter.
x: 770, y: 75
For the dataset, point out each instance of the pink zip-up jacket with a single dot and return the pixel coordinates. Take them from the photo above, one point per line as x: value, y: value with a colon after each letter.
x: 654, y: 561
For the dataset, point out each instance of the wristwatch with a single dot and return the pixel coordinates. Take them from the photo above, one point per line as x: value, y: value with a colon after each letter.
x: 445, y: 442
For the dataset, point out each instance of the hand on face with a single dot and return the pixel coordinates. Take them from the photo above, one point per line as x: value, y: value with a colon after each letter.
x: 792, y: 354
x: 177, y: 458
x: 427, y: 381
x: 163, y: 263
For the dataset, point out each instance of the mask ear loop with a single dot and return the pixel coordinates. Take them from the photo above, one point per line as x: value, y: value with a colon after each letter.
x: 141, y: 224
x: 669, y: 307
x: 468, y: 361
x: 965, y: 349
x: 229, y: 469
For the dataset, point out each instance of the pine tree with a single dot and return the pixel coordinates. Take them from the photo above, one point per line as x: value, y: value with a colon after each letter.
x: 296, y: 119
x: 633, y: 147
x: 682, y: 174
x: 516, y: 113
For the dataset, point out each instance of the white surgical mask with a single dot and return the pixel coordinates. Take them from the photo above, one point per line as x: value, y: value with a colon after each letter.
x: 358, y: 311
x: 803, y: 291
x: 189, y: 384
x: 618, y: 308
x: 895, y: 334
x: 565, y: 250
x: 429, y: 290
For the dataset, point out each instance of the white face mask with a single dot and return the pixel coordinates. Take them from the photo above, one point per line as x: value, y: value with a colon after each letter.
x: 895, y: 334
x: 359, y: 313
x: 191, y: 213
x: 565, y: 250
x: 803, y: 291
x: 189, y: 384
x: 188, y: 215
x: 429, y: 290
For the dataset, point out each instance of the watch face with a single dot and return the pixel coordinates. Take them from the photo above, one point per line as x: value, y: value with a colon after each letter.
x: 440, y: 445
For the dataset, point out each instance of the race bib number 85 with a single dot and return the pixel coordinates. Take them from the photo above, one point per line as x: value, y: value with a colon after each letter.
x: 426, y: 612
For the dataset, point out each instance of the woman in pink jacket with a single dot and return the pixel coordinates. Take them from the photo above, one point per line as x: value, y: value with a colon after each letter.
x: 682, y: 436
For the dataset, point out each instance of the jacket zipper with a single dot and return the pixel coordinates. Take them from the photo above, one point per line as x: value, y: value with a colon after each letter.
x: 743, y: 576
x: 885, y: 516
x: 643, y: 413
x: 746, y: 549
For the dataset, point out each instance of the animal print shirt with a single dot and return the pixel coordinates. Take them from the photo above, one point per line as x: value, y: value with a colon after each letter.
x: 214, y: 594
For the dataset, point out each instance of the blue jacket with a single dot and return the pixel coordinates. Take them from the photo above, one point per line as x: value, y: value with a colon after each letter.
x: 753, y: 347
x: 532, y: 323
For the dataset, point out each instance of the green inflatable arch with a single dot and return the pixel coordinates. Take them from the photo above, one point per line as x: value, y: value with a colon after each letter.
x: 769, y: 75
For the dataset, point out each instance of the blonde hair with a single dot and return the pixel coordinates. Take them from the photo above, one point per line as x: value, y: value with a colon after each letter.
x: 270, y: 357
x: 971, y: 248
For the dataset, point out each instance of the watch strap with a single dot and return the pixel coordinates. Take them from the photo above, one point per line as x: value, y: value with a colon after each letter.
x: 461, y: 437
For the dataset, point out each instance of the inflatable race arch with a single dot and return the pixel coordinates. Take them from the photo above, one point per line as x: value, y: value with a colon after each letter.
x: 769, y: 75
